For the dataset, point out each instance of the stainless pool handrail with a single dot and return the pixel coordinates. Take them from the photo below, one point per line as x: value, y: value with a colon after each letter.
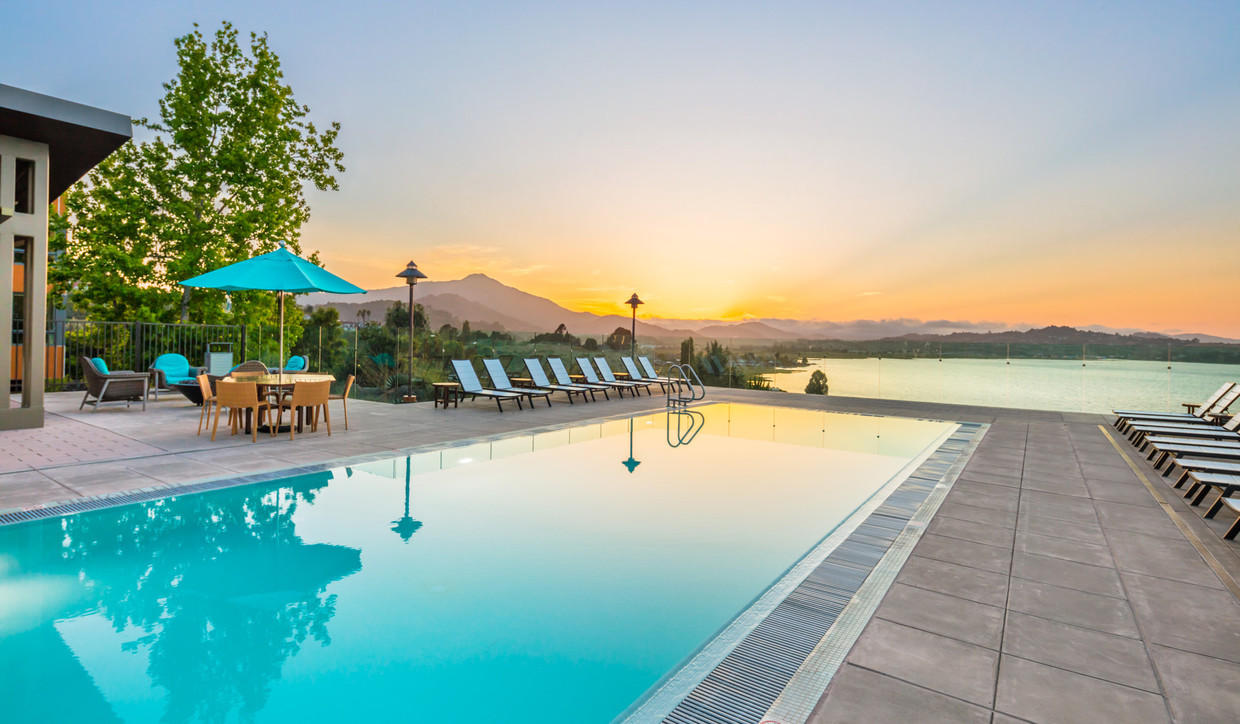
x: 684, y: 436
x: 685, y: 376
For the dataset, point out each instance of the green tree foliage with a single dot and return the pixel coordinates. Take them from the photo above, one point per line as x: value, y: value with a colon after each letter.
x: 325, y: 340
x: 224, y: 178
x: 397, y: 316
x: 559, y: 336
x: 686, y: 352
x: 817, y: 383
x: 619, y: 339
x: 590, y: 345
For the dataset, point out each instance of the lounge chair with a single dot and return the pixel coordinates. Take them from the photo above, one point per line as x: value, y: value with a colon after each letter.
x: 539, y: 376
x: 1192, y: 406
x: 296, y: 363
x: 1204, y: 434
x: 637, y: 376
x: 169, y: 369
x: 651, y: 374
x: 500, y: 381
x: 1234, y: 504
x: 1188, y: 466
x: 604, y: 369
x: 471, y: 386
x: 120, y: 386
x: 1203, y: 483
x: 592, y: 377
x: 563, y: 378
x: 1126, y: 419
x: 1211, y: 449
x: 1141, y: 430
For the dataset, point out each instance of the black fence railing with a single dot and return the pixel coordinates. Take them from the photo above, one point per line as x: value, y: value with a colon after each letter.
x: 122, y: 345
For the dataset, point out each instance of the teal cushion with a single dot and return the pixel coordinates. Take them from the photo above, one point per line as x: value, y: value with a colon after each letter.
x: 296, y: 363
x: 100, y: 365
x: 172, y: 365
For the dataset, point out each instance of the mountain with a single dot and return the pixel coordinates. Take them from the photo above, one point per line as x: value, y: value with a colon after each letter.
x: 479, y: 299
x: 489, y: 304
x: 745, y: 330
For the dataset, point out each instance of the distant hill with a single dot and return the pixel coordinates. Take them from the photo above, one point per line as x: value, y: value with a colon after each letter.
x: 492, y: 305
x: 1047, y: 335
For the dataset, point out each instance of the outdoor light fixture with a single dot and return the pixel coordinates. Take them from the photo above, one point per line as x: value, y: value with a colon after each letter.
x: 633, y: 302
x: 411, y: 275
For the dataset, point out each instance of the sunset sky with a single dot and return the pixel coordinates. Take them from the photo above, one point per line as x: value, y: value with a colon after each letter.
x: 1024, y: 163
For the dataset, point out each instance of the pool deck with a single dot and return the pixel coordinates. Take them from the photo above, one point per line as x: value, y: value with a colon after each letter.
x: 1051, y: 586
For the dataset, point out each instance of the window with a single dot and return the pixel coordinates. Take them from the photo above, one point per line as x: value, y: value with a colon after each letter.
x: 23, y: 193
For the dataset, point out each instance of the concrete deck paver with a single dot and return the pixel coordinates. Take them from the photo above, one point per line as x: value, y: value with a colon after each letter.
x: 1042, y: 693
x: 1078, y: 639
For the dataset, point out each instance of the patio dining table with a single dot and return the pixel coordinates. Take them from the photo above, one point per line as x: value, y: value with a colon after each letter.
x: 267, y: 383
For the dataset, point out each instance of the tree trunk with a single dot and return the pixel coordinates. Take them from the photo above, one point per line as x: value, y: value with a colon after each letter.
x: 185, y: 292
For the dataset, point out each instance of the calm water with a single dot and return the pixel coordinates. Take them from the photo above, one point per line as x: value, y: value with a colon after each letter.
x: 529, y: 579
x: 1099, y: 386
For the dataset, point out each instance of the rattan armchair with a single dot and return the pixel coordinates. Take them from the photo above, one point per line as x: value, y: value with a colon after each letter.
x: 120, y: 386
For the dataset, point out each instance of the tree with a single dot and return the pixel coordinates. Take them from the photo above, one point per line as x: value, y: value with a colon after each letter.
x: 363, y: 316
x: 591, y: 344
x: 225, y: 177
x: 619, y: 339
x: 325, y: 339
x: 817, y: 383
x: 466, y: 332
x: 397, y: 316
x: 686, y: 352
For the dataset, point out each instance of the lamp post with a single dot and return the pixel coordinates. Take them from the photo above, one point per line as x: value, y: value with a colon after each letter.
x: 633, y: 302
x: 411, y: 275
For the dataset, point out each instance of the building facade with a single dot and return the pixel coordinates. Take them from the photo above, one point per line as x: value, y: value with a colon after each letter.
x: 46, y: 144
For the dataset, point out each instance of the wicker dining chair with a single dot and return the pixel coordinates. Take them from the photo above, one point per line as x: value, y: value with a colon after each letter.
x: 311, y: 396
x: 208, y: 399
x: 239, y: 397
x: 344, y: 399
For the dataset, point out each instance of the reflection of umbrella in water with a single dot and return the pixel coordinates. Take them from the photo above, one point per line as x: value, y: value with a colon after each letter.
x: 406, y: 526
x: 280, y: 271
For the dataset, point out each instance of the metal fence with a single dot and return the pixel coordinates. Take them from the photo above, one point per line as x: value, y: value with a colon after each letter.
x: 122, y: 345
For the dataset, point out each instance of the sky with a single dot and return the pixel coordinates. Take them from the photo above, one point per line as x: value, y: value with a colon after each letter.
x: 1021, y: 163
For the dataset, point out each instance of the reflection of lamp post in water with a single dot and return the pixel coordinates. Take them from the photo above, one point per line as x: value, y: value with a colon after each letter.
x: 631, y: 464
x: 406, y: 526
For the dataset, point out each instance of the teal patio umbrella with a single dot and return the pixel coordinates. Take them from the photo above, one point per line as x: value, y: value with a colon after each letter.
x: 280, y: 271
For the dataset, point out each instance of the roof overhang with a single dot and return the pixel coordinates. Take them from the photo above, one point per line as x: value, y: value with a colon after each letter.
x: 78, y: 137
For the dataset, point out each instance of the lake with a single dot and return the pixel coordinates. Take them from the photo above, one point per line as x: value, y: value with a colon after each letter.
x: 1064, y: 385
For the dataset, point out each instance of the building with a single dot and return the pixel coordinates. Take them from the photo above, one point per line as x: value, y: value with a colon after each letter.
x: 46, y: 144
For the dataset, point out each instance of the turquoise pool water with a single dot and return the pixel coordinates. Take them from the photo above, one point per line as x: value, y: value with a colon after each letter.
x: 533, y: 578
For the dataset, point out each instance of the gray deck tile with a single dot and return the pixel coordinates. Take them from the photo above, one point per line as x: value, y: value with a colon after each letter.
x: 942, y: 614
x: 1067, y: 549
x: 958, y: 507
x: 973, y: 584
x: 1082, y: 513
x: 972, y: 531
x: 1199, y: 688
x: 1103, y: 581
x: 1161, y: 557
x: 1066, y: 605
x: 1042, y: 693
x: 971, y: 488
x: 1136, y: 519
x: 966, y: 553
x: 1133, y: 493
x: 1115, y: 658
x: 936, y: 662
x: 982, y: 499
x: 858, y: 695
x: 1187, y: 617
x: 1058, y: 486
x: 1084, y: 532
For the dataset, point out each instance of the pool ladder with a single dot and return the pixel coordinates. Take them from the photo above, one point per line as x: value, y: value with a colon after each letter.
x: 685, y: 386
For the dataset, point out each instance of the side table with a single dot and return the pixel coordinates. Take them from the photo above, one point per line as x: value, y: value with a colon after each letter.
x: 446, y: 392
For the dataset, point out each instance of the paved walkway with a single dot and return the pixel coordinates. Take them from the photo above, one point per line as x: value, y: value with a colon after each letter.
x: 1051, y: 586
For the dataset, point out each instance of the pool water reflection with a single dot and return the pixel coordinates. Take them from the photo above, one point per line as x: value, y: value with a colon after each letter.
x: 531, y: 578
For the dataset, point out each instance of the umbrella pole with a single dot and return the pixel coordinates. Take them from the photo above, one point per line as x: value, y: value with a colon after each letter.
x: 280, y: 361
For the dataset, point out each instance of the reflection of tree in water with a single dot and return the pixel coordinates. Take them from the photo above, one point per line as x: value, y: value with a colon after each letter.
x: 222, y: 585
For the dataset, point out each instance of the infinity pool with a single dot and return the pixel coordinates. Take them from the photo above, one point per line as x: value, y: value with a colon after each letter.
x: 547, y: 577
